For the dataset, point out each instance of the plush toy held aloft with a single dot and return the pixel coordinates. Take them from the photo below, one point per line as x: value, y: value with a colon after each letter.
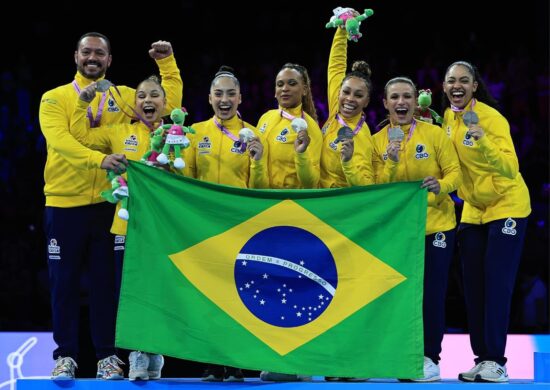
x: 118, y: 193
x: 176, y: 138
x: 350, y: 19
x: 424, y: 112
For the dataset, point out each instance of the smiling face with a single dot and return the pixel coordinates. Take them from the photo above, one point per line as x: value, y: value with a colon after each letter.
x: 459, y: 85
x: 289, y: 88
x: 400, y: 101
x: 353, y: 97
x: 92, y: 57
x: 150, y: 101
x: 225, y: 97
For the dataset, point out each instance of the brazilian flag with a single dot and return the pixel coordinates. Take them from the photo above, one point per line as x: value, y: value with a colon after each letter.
x: 310, y: 282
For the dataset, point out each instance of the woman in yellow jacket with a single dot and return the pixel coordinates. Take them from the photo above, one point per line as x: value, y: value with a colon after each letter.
x: 346, y: 161
x: 407, y: 150
x: 220, y: 152
x: 494, y: 218
x: 133, y: 140
x: 291, y: 133
x: 294, y: 142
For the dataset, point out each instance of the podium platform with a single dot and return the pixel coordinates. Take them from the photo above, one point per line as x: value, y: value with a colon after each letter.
x: 254, y: 384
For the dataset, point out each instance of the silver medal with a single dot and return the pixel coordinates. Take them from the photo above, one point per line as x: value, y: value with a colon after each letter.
x: 470, y: 118
x: 245, y: 134
x: 103, y: 85
x: 344, y: 133
x: 395, y: 134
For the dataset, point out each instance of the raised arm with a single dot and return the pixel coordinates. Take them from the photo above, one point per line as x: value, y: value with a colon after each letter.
x: 162, y: 53
x: 337, y: 63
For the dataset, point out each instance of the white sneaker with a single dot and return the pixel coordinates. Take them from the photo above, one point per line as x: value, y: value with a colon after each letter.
x: 491, y: 372
x: 431, y: 371
x: 139, y: 364
x: 278, y: 377
x: 64, y: 369
x: 470, y: 376
x: 156, y: 362
x: 109, y: 368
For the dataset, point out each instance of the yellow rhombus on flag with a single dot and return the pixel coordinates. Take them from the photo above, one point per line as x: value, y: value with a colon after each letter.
x: 209, y: 265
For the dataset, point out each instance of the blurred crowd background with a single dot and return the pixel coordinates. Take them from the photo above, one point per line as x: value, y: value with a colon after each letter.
x: 410, y: 39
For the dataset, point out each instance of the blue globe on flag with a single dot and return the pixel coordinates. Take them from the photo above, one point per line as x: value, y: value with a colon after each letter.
x: 286, y: 276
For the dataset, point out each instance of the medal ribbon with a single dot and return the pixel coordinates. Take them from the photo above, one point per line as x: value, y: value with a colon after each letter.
x: 288, y: 116
x: 472, y: 104
x: 357, y: 128
x: 229, y: 134
x: 411, y: 130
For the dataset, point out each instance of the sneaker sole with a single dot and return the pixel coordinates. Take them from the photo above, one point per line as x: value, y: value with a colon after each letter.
x: 140, y: 377
x: 62, y: 378
x: 433, y: 379
x: 154, y: 375
x: 113, y: 378
x: 211, y: 378
x: 465, y: 378
x: 233, y: 379
x: 479, y: 379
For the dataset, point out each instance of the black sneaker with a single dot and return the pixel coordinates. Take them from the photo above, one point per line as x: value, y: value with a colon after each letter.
x: 213, y: 373
x: 233, y: 374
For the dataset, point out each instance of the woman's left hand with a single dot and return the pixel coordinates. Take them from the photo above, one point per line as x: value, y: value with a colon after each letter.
x: 346, y: 152
x: 476, y: 132
x: 432, y: 184
x: 255, y: 149
x: 302, y: 142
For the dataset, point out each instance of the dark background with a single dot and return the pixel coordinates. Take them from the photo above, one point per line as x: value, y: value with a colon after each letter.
x: 410, y: 39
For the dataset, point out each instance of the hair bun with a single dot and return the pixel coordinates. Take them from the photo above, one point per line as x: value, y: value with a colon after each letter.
x: 224, y: 69
x: 362, y: 67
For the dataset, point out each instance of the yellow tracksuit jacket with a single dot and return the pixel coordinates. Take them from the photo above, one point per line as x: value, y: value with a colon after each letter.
x: 427, y: 153
x: 492, y: 187
x: 125, y: 138
x: 286, y: 168
x: 213, y: 156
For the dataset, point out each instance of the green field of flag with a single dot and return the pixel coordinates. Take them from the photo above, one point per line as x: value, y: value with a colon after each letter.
x: 312, y: 282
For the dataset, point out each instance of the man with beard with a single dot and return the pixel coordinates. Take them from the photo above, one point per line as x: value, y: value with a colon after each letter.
x: 76, y: 219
